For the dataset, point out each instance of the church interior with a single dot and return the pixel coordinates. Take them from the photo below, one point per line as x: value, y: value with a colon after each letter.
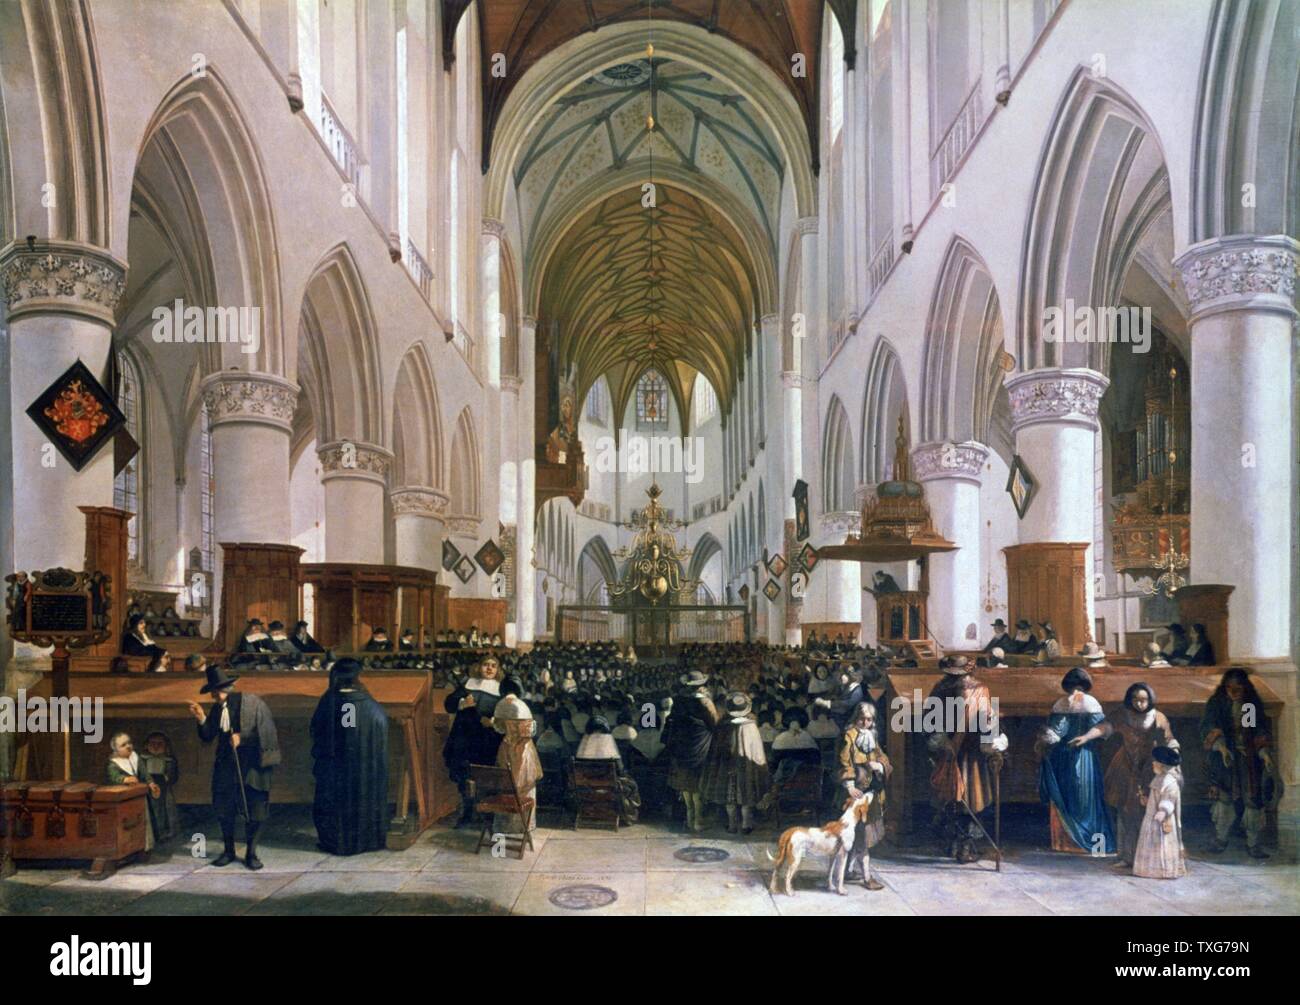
x: 559, y: 453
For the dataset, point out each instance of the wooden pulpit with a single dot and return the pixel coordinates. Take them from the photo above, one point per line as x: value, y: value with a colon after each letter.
x: 1048, y: 582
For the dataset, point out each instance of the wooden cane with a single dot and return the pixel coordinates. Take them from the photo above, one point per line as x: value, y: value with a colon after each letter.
x: 239, y: 773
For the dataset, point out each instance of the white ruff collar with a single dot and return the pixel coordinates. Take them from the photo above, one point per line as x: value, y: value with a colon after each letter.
x: 486, y: 686
x: 128, y: 764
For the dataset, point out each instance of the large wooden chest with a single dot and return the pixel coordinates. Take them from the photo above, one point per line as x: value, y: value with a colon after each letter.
x: 104, y: 824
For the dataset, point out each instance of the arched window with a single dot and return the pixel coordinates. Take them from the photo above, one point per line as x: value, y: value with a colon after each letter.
x: 651, y: 401
x: 127, y: 488
x: 835, y: 68
x: 706, y: 400
x: 598, y: 402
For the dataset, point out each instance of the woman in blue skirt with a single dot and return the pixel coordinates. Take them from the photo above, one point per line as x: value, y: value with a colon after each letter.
x: 1071, y: 780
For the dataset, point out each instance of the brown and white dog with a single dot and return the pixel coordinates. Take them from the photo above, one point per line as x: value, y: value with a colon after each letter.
x: 834, y: 839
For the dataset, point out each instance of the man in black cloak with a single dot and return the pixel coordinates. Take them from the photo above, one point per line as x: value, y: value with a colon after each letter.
x: 349, y: 749
x: 248, y: 749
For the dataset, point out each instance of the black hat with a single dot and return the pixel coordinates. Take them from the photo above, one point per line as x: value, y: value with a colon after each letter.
x: 1167, y: 755
x: 999, y: 623
x: 276, y: 626
x: 1177, y: 629
x: 1078, y: 677
x: 218, y: 680
x: 693, y: 679
x: 1022, y: 624
x: 345, y: 669
x: 254, y: 621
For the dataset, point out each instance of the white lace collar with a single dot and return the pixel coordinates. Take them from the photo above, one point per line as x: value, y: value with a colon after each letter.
x: 1087, y: 703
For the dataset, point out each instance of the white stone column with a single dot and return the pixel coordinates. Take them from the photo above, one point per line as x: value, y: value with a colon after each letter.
x: 951, y: 473
x: 1242, y: 294
x: 250, y: 415
x: 1054, y: 418
x: 842, y: 580
x: 354, y: 476
x: 418, y: 524
x: 61, y: 299
x: 525, y: 581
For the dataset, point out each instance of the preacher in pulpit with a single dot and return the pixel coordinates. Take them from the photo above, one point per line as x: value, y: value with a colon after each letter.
x: 247, y: 753
x: 349, y: 749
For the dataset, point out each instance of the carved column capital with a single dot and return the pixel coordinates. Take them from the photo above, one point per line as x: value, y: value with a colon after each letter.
x: 1066, y: 396
x: 1240, y: 272
x: 805, y: 225
x: 419, y: 500
x: 462, y: 525
x: 939, y: 460
x: 848, y: 521
x: 494, y: 228
x: 61, y: 277
x: 350, y: 459
x: 237, y: 396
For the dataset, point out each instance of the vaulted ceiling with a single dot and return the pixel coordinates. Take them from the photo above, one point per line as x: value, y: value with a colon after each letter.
x: 526, y: 30
x: 603, y: 124
x: 670, y: 287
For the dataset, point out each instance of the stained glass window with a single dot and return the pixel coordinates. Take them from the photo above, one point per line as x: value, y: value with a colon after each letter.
x: 651, y: 400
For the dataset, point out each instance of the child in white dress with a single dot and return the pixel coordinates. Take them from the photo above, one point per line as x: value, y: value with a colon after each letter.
x: 1160, y: 852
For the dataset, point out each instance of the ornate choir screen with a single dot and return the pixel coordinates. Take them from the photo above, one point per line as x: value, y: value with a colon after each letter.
x: 678, y: 624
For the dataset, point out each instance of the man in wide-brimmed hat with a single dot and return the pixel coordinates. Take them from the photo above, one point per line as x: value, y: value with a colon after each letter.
x: 687, y: 738
x: 247, y: 752
x: 736, y: 775
x: 964, y: 748
x: 1001, y: 637
x: 1024, y: 641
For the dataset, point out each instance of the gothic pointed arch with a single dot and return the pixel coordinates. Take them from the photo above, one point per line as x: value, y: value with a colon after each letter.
x: 963, y: 349
x: 51, y: 103
x: 338, y: 352
x: 200, y: 183
x: 883, y: 404
x: 1102, y: 165
x: 464, y: 482
x: 417, y: 423
x: 1247, y: 133
x: 838, y: 482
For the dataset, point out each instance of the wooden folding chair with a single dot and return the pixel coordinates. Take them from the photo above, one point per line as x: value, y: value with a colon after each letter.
x: 493, y: 791
x: 596, y: 792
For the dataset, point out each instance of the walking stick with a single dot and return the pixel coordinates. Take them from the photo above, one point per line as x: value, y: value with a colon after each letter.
x: 997, y: 812
x: 239, y: 773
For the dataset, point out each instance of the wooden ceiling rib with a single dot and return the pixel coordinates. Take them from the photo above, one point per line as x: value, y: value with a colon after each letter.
x: 634, y: 288
x: 526, y: 30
